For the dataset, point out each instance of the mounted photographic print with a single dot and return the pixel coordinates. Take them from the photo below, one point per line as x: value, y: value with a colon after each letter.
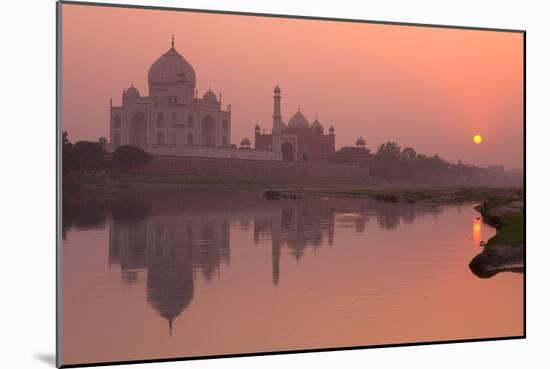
x: 241, y: 184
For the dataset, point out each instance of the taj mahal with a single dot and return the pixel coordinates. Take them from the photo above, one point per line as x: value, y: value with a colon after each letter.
x: 174, y: 121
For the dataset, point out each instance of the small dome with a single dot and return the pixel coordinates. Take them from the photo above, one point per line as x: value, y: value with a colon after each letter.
x: 245, y: 142
x: 169, y: 69
x: 360, y: 142
x: 210, y: 97
x: 331, y: 129
x: 257, y: 127
x: 298, y: 121
x: 131, y: 93
x: 277, y: 89
x: 316, y: 125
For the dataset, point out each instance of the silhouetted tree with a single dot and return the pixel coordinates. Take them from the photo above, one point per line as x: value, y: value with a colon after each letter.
x: 89, y: 155
x: 408, y: 153
x: 102, y: 141
x: 387, y: 162
x: 391, y: 162
x: 130, y: 157
x: 388, y: 150
x: 351, y: 156
x: 67, y: 155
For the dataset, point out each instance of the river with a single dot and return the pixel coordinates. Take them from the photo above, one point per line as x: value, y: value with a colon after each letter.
x: 194, y: 273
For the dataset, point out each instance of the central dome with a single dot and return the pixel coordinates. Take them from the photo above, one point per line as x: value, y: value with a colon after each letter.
x: 169, y: 69
x: 298, y: 121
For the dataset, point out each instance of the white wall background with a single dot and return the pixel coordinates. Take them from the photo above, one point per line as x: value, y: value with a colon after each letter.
x: 27, y: 202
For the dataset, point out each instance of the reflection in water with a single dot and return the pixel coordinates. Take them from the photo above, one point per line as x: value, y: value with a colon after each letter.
x: 324, y: 272
x: 476, y: 231
x: 170, y: 240
x: 170, y: 248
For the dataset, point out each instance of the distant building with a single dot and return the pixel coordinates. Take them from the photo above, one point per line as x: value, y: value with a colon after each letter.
x: 297, y: 141
x: 172, y: 113
x: 172, y: 120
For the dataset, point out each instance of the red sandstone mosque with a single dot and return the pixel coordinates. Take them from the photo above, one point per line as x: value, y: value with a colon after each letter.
x: 174, y: 121
x: 297, y: 141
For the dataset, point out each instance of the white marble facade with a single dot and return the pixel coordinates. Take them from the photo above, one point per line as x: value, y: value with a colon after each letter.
x: 172, y: 114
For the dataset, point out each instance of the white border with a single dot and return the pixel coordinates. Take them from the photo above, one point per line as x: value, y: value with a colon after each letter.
x: 28, y: 182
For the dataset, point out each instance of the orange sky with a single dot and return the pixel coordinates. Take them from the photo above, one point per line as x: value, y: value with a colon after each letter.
x: 429, y: 88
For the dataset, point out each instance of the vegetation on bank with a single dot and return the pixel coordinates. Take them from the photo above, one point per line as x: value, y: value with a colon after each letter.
x: 507, y: 216
x: 90, y: 157
x: 425, y: 196
x: 391, y: 162
x: 506, y: 250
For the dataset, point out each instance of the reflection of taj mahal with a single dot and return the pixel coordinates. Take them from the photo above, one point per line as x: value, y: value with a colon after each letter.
x: 173, y: 120
x: 179, y: 238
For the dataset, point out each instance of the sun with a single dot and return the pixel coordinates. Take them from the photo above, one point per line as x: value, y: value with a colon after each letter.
x: 477, y: 139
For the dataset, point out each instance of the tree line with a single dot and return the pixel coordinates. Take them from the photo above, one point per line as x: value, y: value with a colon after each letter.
x: 391, y: 162
x: 90, y: 155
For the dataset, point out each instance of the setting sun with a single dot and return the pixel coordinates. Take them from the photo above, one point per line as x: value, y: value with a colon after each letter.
x: 478, y: 139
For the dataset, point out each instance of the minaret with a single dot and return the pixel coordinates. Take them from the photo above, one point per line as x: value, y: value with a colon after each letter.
x: 277, y: 119
x: 275, y: 247
x: 277, y: 110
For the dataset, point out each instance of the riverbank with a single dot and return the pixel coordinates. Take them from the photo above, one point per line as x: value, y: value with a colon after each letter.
x: 506, y: 250
x: 103, y: 182
x: 421, y: 196
x: 116, y: 181
x: 499, y: 207
x: 502, y: 208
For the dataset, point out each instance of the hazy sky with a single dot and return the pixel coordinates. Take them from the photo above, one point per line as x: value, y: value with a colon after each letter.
x: 429, y: 88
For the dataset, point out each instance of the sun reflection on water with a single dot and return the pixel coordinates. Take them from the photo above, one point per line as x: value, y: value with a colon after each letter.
x: 476, y: 231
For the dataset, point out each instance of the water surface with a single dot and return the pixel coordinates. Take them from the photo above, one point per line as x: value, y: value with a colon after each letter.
x: 196, y: 273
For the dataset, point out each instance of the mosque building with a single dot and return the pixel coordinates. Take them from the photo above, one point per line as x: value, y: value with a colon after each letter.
x: 297, y: 141
x: 174, y: 121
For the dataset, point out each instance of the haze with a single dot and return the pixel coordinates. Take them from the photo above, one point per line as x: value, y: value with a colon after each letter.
x: 429, y: 88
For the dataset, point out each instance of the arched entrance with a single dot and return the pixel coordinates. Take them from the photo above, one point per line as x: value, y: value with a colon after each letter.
x: 208, y: 131
x: 160, y: 121
x: 117, y: 121
x: 160, y: 138
x: 288, y: 151
x: 138, y: 130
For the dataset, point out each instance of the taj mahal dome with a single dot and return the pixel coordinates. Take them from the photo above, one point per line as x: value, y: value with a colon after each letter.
x: 174, y: 121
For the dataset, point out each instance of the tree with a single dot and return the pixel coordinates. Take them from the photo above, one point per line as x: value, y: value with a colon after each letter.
x: 387, y: 161
x: 89, y: 155
x: 389, y: 150
x: 66, y: 143
x: 102, y: 141
x: 130, y: 157
x: 408, y: 153
x: 67, y: 155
